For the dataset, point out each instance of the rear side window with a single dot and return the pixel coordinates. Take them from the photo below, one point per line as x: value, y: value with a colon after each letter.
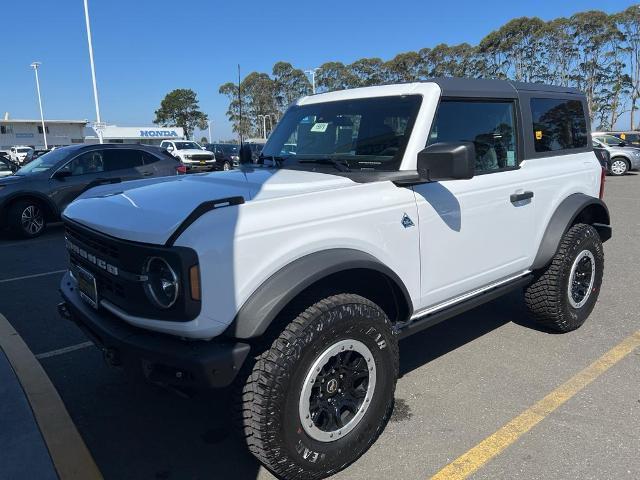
x: 490, y: 125
x: 121, y: 159
x: 558, y: 124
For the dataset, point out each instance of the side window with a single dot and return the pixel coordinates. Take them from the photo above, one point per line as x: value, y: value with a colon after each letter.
x: 558, y: 124
x: 122, y: 159
x: 148, y: 158
x: 85, y: 164
x: 490, y: 125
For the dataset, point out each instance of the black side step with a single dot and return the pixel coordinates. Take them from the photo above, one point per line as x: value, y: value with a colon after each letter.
x: 434, y: 318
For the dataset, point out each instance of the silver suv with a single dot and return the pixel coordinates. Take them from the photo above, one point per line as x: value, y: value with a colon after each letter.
x: 623, y: 158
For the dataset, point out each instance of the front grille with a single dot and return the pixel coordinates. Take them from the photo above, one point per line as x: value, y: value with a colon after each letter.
x: 117, y: 265
x: 201, y: 157
x: 94, y: 243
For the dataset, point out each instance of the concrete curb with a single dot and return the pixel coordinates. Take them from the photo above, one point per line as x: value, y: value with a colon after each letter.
x: 70, y: 455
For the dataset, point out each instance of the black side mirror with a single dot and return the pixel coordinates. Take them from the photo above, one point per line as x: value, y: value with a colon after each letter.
x: 447, y: 161
x: 622, y: 144
x: 246, y: 154
x: 61, y: 174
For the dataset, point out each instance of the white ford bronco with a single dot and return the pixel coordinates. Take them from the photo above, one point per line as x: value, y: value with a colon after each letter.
x: 293, y: 278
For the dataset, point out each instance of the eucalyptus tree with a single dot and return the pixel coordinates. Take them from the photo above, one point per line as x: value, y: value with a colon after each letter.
x: 404, y: 67
x: 628, y: 22
x: 333, y: 76
x: 366, y: 72
x: 290, y: 83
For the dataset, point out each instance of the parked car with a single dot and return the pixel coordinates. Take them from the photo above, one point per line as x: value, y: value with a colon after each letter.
x: 39, y: 191
x: 38, y: 153
x: 256, y: 148
x: 7, y: 167
x: 623, y: 158
x: 20, y: 154
x: 630, y: 138
x: 404, y: 205
x: 226, y: 155
x: 191, y: 154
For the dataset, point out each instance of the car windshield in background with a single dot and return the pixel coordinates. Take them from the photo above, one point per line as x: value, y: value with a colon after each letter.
x: 361, y: 134
x: 187, y: 146
x: 44, y: 162
x: 23, y: 150
x: 229, y: 149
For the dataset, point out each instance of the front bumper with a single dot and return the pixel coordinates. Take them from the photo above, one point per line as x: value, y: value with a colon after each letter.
x: 161, y: 358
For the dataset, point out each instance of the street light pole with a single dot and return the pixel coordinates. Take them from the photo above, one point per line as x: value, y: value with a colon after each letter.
x: 35, y: 66
x: 264, y: 125
x: 210, y: 122
x: 312, y: 72
x: 93, y: 69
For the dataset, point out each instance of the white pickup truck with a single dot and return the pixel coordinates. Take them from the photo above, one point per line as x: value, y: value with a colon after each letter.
x: 191, y: 154
x: 295, y: 277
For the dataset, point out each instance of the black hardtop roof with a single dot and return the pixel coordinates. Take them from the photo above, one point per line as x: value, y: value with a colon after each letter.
x: 477, y: 87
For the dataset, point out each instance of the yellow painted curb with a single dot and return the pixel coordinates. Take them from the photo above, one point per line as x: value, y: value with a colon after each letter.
x: 70, y: 455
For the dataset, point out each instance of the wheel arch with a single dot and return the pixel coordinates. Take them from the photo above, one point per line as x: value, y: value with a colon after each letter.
x: 51, y: 211
x: 576, y: 208
x: 327, y: 272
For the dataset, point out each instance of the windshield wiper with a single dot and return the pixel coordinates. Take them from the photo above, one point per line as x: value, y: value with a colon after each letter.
x: 341, y: 165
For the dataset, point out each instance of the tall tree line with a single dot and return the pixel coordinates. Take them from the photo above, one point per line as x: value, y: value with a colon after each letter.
x: 593, y: 51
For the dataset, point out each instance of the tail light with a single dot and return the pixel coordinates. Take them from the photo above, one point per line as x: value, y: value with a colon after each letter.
x: 181, y: 169
x: 603, y: 176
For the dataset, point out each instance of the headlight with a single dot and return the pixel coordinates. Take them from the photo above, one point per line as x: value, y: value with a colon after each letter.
x: 187, y: 156
x: 162, y: 285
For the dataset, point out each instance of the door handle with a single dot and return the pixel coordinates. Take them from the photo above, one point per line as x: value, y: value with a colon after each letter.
x: 147, y: 174
x: 518, y: 197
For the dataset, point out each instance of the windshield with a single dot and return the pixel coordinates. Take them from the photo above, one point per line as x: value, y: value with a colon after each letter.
x: 44, y: 162
x: 229, y: 149
x: 188, y: 146
x: 364, y: 134
x: 611, y: 140
x: 23, y: 150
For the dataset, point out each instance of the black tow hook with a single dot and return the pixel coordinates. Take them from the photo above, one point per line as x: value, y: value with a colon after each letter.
x: 63, y: 310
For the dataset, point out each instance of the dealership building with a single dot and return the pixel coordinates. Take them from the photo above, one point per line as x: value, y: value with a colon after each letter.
x: 144, y: 135
x: 29, y: 132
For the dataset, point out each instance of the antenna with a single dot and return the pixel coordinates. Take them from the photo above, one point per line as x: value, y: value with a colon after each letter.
x: 240, y: 108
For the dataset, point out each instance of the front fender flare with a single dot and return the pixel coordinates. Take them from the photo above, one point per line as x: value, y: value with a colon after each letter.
x: 262, y: 307
x: 564, y: 217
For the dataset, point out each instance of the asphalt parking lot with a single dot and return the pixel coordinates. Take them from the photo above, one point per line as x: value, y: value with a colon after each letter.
x: 461, y: 382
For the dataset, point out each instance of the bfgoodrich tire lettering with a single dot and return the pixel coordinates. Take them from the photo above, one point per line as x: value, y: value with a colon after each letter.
x: 576, y: 269
x: 271, y: 396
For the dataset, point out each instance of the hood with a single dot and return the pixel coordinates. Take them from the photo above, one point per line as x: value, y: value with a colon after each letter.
x: 151, y: 210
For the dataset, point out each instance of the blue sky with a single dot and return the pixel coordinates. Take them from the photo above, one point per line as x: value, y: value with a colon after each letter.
x: 144, y: 49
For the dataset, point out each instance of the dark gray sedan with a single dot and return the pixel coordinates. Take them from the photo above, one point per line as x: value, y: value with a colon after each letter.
x: 40, y: 191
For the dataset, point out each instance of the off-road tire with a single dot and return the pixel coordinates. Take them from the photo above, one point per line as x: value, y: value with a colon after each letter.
x: 271, y: 394
x: 15, y: 215
x: 547, y: 298
x: 621, y: 166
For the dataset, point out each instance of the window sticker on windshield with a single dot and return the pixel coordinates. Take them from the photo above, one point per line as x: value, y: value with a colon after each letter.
x: 538, y: 134
x: 623, y: 136
x: 319, y: 127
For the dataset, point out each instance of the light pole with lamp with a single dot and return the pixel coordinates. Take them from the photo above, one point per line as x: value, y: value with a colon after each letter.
x: 35, y: 66
x: 312, y: 72
x: 99, y: 126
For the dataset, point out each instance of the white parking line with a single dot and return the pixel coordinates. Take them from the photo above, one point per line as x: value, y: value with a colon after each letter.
x: 62, y: 351
x: 15, y: 279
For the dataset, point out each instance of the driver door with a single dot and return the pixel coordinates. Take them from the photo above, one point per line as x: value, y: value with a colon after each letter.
x: 471, y: 232
x: 72, y: 179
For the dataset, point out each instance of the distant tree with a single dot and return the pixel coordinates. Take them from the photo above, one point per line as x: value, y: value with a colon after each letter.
x: 204, y: 140
x: 366, y: 72
x: 628, y: 22
x: 180, y: 108
x: 333, y: 76
x: 404, y: 67
x: 289, y: 84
